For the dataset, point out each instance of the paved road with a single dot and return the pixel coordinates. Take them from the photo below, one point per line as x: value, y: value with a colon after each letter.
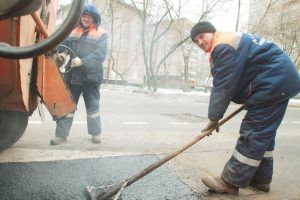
x: 68, y: 179
x: 141, y: 125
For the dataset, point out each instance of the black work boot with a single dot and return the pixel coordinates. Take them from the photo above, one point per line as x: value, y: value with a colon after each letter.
x: 218, y: 185
x: 265, y: 187
x: 58, y: 140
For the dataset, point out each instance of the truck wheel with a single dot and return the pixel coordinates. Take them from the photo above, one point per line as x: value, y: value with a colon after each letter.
x: 12, y: 127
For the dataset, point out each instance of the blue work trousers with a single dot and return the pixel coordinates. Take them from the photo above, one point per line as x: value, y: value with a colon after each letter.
x: 91, y: 96
x: 252, y: 160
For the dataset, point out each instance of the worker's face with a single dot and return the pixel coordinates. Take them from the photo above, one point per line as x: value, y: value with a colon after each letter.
x: 204, y: 41
x: 87, y: 20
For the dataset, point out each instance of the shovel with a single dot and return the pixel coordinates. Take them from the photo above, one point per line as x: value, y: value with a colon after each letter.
x: 109, y: 191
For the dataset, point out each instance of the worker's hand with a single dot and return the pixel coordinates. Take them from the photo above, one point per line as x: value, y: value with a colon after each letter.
x: 61, y: 59
x: 211, y: 126
x: 63, y: 56
x: 76, y: 62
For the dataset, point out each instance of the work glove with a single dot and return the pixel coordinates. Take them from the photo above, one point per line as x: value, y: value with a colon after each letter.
x: 211, y: 125
x: 76, y: 62
x: 61, y: 59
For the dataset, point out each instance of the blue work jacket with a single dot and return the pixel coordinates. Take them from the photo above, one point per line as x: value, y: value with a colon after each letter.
x: 249, y: 70
x: 91, y: 47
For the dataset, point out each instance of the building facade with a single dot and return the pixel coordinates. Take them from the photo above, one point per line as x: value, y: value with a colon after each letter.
x: 125, y: 61
x: 278, y: 21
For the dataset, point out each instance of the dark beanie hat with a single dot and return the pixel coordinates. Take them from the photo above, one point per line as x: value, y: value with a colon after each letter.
x: 202, y: 27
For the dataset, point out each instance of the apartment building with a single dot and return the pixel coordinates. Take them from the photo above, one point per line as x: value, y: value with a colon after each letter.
x: 125, y: 56
x: 278, y: 21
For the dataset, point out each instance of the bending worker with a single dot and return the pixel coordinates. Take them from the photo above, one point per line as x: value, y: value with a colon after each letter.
x: 255, y: 72
x: 89, y: 42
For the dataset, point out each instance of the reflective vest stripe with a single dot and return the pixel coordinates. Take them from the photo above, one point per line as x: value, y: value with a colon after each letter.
x: 231, y: 38
x: 243, y: 159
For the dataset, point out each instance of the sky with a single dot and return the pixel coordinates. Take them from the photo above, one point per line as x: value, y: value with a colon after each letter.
x: 224, y: 20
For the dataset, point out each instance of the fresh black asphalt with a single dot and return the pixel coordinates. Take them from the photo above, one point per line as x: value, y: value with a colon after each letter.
x: 63, y: 180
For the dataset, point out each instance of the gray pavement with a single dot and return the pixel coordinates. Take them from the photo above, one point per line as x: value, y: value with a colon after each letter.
x: 57, y: 180
x: 138, y: 125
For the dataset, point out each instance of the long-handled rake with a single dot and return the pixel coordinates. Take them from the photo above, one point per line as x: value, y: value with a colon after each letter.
x: 107, y: 192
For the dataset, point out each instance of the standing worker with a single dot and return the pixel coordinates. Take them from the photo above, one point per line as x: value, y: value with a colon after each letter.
x: 255, y: 72
x: 89, y: 42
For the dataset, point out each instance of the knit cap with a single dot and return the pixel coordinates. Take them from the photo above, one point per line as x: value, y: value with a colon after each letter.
x: 202, y: 27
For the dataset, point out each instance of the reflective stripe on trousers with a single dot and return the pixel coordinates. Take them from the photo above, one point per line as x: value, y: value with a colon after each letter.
x: 252, y: 159
x: 94, y: 123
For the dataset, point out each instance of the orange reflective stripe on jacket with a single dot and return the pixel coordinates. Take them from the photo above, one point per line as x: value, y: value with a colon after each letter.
x: 231, y: 38
x: 92, y: 32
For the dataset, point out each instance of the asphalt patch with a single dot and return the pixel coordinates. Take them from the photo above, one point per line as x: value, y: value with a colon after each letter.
x: 57, y: 180
x: 189, y: 117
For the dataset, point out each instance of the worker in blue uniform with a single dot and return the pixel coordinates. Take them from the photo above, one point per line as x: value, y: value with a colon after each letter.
x: 89, y: 43
x: 255, y: 72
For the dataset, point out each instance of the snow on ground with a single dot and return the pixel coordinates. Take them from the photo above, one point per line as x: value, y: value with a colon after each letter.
x: 295, y: 102
x: 159, y: 91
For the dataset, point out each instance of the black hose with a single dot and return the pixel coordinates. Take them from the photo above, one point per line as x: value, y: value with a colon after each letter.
x: 8, y: 51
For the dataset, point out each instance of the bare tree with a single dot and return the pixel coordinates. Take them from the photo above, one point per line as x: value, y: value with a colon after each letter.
x: 260, y: 24
x: 287, y: 35
x: 119, y: 19
x: 148, y: 48
x: 155, y: 28
x: 238, y: 15
x: 281, y: 27
x: 110, y: 59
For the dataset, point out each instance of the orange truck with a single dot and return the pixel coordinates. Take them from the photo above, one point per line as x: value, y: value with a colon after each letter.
x: 28, y: 69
